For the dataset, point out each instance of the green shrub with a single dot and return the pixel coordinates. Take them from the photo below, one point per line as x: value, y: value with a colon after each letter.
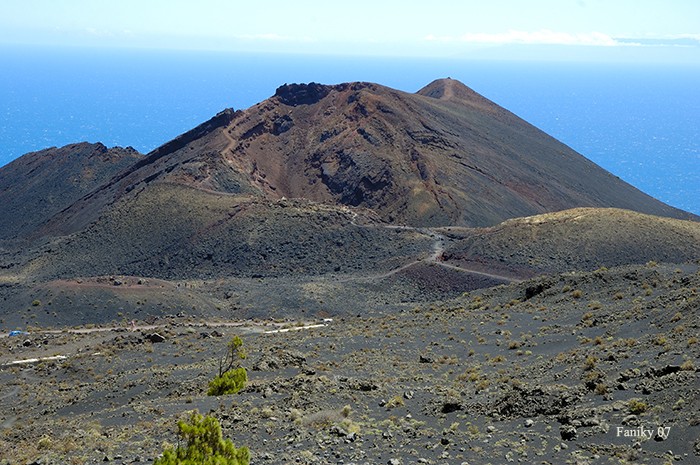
x: 232, y: 377
x: 230, y: 382
x: 204, y: 445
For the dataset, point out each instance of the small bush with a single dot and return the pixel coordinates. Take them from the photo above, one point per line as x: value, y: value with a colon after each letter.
x: 324, y: 418
x: 230, y: 382
x: 232, y: 378
x: 204, y: 445
x: 296, y: 415
x: 590, y: 363
x: 636, y: 406
x: 688, y: 365
x: 396, y: 401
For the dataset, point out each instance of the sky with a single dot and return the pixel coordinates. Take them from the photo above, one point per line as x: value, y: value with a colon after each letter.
x: 646, y: 30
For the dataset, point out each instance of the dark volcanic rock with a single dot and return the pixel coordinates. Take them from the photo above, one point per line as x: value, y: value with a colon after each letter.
x: 335, y: 192
x: 301, y: 94
x: 531, y: 402
x: 568, y: 432
x: 155, y: 338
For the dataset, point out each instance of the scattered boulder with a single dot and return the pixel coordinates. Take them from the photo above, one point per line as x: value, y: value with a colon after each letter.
x: 362, y: 385
x: 155, y: 338
x: 667, y: 370
x: 450, y: 406
x: 568, y: 432
x: 267, y: 363
x: 533, y: 401
x: 278, y: 358
x: 668, y: 381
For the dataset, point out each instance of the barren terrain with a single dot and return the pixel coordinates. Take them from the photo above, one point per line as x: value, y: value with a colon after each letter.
x: 417, y: 278
x: 543, y: 371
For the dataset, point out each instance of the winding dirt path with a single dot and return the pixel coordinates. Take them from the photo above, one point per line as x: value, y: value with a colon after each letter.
x: 231, y: 140
x: 438, y: 249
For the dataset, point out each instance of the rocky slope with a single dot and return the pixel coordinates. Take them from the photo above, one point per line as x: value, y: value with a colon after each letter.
x: 576, y: 239
x: 243, y: 257
x: 39, y: 185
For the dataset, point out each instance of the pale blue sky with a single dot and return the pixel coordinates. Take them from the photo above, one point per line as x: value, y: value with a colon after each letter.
x: 653, y: 29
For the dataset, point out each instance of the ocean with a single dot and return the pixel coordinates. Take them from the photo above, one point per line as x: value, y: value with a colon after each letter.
x: 640, y: 122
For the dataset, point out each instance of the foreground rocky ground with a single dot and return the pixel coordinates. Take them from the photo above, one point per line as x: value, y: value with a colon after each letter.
x: 570, y: 368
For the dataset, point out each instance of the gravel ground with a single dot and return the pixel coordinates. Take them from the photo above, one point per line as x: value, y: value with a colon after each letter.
x: 563, y: 369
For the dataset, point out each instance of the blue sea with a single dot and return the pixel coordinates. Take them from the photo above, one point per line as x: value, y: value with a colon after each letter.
x: 640, y: 122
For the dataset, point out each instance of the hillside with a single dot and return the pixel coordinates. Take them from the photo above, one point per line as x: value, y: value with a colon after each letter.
x: 232, y: 256
x: 172, y: 231
x: 334, y: 196
x: 39, y: 185
x: 577, y: 239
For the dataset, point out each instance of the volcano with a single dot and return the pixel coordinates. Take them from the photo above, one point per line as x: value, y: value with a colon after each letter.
x: 425, y: 260
x: 320, y: 181
x: 442, y: 156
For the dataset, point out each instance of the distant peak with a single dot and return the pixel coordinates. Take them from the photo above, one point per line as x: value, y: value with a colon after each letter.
x: 447, y: 89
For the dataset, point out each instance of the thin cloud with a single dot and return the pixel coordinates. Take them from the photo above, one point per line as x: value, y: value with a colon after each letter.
x: 676, y: 40
x: 542, y: 37
x: 271, y: 37
x: 91, y: 31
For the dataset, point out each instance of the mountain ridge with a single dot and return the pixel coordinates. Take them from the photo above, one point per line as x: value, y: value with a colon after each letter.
x: 442, y: 156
